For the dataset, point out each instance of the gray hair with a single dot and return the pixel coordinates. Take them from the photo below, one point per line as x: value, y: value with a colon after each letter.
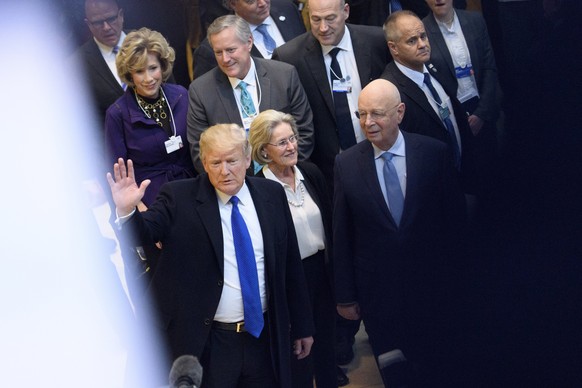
x: 241, y: 27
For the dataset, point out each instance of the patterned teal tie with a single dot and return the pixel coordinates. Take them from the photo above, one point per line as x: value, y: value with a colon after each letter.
x: 246, y: 101
x: 247, y: 272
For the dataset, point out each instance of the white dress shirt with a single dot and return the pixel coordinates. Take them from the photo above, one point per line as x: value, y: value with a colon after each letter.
x: 230, y: 308
x: 457, y: 45
x: 349, y: 68
x: 306, y: 218
x: 109, y: 57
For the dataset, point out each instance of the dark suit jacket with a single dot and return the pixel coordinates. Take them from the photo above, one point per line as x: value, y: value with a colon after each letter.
x: 188, y: 281
x: 212, y: 101
x: 286, y: 17
x: 375, y: 12
x: 396, y: 274
x: 482, y: 58
x: 103, y: 85
x: 420, y: 117
x: 304, y: 52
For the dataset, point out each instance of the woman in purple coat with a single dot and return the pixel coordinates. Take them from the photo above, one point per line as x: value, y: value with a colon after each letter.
x: 148, y: 123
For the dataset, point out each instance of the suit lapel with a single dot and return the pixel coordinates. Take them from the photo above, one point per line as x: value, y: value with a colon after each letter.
x: 314, y: 60
x: 226, y: 97
x: 363, y: 57
x: 265, y: 212
x: 282, y: 24
x: 408, y: 87
x: 469, y: 32
x: 95, y: 59
x: 367, y: 167
x: 414, y: 175
x: 264, y: 87
x: 210, y: 217
x: 255, y: 52
x: 438, y: 42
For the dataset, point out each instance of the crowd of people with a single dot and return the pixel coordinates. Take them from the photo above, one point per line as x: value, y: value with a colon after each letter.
x: 371, y: 165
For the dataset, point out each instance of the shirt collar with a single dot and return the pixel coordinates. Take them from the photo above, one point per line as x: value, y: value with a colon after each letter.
x: 345, y: 44
x: 270, y: 175
x: 244, y: 196
x: 416, y: 76
x: 250, y: 78
x: 397, y: 148
x: 106, y: 50
x: 268, y: 21
x: 454, y: 26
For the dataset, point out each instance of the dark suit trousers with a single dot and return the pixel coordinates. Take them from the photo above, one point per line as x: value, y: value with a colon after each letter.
x: 321, y: 362
x: 237, y: 360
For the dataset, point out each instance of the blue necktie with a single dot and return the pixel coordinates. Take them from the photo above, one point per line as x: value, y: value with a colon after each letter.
x: 267, y: 38
x: 247, y: 272
x: 447, y: 121
x: 393, y: 189
x: 343, y: 116
x: 395, y: 5
x: 246, y: 101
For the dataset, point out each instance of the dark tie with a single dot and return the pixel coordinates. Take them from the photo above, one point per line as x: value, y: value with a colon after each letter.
x: 247, y: 272
x: 447, y: 121
x: 267, y: 39
x: 246, y: 101
x: 395, y: 5
x: 393, y: 189
x: 343, y: 116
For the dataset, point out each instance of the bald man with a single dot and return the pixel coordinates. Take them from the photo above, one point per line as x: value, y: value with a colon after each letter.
x: 395, y: 233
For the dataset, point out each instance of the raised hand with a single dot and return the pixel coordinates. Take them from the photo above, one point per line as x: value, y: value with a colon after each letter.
x: 125, y: 191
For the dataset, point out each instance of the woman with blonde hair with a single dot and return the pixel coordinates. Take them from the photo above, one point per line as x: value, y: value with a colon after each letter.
x: 273, y: 137
x: 147, y: 124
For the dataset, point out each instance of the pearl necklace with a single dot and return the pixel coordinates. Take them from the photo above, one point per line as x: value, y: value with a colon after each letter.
x: 295, y: 204
x: 157, y: 108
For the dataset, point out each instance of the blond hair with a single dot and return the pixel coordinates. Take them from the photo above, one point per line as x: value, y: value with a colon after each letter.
x: 133, y: 54
x: 262, y: 130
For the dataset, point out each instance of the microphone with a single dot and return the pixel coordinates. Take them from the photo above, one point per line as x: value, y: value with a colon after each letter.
x: 186, y: 372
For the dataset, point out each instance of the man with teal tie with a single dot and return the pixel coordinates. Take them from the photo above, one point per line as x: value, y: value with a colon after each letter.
x: 242, y: 86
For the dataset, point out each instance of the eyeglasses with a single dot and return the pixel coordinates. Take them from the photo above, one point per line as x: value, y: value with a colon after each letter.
x: 109, y: 21
x: 374, y: 115
x: 284, y: 142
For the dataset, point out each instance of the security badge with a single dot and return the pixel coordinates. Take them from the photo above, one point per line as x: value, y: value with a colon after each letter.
x: 342, y: 85
x: 444, y: 111
x: 247, y: 122
x: 463, y: 71
x: 173, y: 144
